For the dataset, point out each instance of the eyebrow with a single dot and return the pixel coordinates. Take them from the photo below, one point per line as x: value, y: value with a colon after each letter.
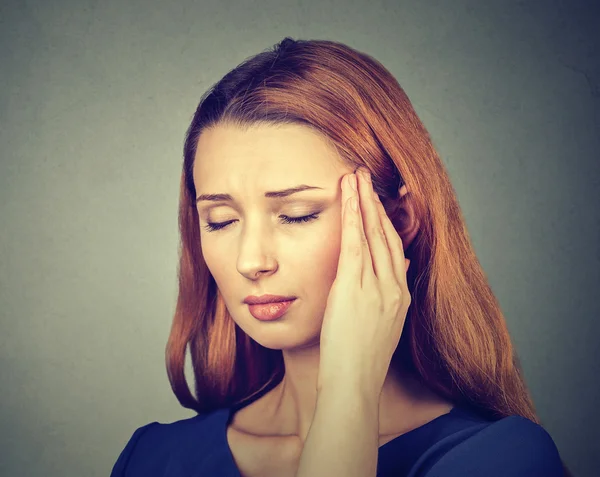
x: 277, y: 194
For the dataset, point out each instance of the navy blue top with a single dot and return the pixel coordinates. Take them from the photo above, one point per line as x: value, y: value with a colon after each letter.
x: 457, y: 444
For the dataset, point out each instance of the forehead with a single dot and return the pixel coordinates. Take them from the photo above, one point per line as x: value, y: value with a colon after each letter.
x: 263, y: 154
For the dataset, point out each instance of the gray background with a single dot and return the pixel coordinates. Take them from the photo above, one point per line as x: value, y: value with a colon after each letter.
x: 95, y: 98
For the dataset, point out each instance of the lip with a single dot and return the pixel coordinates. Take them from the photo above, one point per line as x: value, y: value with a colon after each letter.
x: 270, y: 311
x: 264, y: 299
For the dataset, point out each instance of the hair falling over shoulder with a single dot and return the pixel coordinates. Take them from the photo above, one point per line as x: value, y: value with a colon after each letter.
x: 455, y: 336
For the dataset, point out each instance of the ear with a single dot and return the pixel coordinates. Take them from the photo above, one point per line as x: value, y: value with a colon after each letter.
x: 402, y: 214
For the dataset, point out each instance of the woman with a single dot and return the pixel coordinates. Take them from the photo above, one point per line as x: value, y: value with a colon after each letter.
x: 385, y: 351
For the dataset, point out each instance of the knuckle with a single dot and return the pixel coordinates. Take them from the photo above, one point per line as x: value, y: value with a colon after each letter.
x: 377, y: 231
x: 396, y: 298
x: 376, y: 303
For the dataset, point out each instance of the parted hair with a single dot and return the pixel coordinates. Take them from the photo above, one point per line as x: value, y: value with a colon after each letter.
x: 455, y: 337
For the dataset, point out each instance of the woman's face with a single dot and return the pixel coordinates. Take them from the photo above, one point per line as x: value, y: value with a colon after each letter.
x: 257, y: 252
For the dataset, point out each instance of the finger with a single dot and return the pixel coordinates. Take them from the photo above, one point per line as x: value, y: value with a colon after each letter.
x: 351, y: 249
x: 396, y: 247
x: 344, y: 184
x: 380, y: 254
x: 368, y: 271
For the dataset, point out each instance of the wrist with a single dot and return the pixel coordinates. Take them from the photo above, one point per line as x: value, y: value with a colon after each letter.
x: 349, y: 389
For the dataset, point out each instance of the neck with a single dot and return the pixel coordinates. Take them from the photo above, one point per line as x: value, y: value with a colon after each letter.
x: 295, y: 397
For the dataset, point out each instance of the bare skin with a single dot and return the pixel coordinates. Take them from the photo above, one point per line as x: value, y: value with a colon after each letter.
x: 271, y: 256
x: 264, y: 444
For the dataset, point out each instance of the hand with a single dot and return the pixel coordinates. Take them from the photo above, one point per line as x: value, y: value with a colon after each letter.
x: 368, y: 301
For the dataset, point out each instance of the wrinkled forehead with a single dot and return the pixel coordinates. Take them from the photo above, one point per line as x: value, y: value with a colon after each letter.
x: 264, y: 156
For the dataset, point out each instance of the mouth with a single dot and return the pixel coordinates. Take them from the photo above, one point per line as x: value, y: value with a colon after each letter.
x: 270, y: 311
x: 264, y: 299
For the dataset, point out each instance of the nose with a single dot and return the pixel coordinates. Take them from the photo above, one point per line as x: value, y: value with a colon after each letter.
x: 256, y: 254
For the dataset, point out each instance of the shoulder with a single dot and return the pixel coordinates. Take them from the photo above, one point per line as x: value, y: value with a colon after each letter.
x: 156, y: 447
x: 512, y: 446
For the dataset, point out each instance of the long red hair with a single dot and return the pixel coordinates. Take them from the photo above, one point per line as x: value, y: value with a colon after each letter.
x: 455, y: 337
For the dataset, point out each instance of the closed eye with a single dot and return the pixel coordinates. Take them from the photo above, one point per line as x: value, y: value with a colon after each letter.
x: 213, y: 226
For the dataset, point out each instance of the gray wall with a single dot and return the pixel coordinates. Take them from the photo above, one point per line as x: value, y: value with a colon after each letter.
x: 95, y: 99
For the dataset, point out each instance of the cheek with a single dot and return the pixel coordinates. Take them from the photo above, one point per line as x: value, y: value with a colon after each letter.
x: 214, y: 259
x: 315, y: 257
x: 321, y: 256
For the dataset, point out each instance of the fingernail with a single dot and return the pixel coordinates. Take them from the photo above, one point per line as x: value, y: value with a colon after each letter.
x: 353, y: 181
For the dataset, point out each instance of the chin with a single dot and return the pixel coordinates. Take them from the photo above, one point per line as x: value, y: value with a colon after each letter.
x: 283, y: 339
